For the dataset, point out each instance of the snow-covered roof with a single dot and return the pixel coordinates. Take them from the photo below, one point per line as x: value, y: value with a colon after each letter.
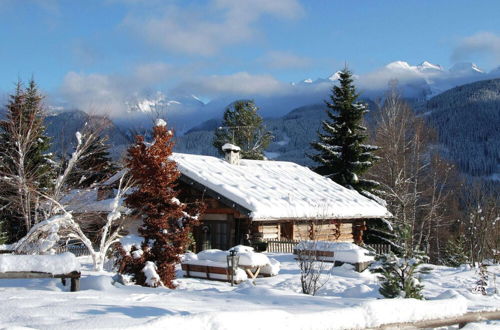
x: 278, y: 190
x: 85, y: 200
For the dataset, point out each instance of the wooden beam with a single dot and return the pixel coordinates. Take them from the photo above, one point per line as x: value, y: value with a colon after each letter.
x: 74, y: 276
x: 17, y: 275
x: 220, y: 211
x: 461, y: 320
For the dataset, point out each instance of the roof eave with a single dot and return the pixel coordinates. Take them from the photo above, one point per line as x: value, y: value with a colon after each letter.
x: 212, y: 193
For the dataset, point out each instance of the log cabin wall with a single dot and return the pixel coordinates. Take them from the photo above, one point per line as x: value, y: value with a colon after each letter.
x: 323, y: 230
x: 350, y: 231
x: 266, y: 230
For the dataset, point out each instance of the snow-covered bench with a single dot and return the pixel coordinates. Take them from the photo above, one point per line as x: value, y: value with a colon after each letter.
x: 212, y: 264
x: 337, y: 252
x: 61, y: 266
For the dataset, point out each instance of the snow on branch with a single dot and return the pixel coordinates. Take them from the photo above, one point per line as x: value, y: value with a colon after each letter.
x: 44, y: 236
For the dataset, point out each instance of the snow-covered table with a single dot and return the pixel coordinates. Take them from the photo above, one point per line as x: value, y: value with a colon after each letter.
x: 336, y: 252
x: 212, y: 264
x: 61, y: 266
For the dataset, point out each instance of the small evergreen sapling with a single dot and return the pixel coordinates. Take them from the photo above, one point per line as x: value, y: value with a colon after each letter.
x: 398, y: 276
x: 455, y: 253
x: 482, y: 283
x: 166, y: 221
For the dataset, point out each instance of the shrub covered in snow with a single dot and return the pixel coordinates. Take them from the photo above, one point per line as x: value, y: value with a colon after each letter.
x: 398, y: 276
x: 455, y: 253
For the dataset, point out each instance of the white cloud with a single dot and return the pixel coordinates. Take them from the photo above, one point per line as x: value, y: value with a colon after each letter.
x: 94, y: 93
x: 239, y: 84
x: 483, y: 43
x: 284, y: 60
x: 151, y: 73
x: 107, y: 94
x: 204, y: 29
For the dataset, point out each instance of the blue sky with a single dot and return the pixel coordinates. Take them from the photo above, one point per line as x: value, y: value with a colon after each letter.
x: 86, y: 49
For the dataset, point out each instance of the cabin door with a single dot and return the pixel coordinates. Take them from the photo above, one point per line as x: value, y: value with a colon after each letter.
x: 286, y: 231
x: 215, y: 235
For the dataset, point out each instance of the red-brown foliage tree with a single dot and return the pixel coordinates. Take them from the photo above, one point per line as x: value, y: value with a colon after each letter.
x: 166, y: 221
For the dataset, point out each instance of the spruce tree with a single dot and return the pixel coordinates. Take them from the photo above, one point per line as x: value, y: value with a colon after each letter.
x: 26, y: 167
x: 242, y: 126
x: 167, y: 222
x: 39, y: 157
x: 343, y: 156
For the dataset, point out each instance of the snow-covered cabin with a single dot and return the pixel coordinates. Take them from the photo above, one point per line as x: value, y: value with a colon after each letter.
x: 255, y: 199
x: 251, y: 200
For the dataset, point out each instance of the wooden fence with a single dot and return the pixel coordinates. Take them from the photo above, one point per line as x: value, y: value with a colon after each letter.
x: 380, y: 248
x: 280, y: 246
x: 77, y: 250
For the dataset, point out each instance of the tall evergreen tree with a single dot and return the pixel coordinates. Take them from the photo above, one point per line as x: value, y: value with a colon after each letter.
x: 242, y: 126
x: 167, y: 222
x: 343, y: 156
x: 25, y: 165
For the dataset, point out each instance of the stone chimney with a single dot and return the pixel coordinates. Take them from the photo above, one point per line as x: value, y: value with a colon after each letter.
x: 231, y: 153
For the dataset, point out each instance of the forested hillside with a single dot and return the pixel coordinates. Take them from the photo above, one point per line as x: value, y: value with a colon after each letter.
x: 467, y: 119
x: 62, y: 127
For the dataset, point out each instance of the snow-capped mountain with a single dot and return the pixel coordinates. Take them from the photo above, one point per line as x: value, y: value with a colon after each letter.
x: 426, y: 66
x: 423, y: 80
x: 465, y: 68
x: 423, y: 68
x: 159, y: 103
x: 335, y: 76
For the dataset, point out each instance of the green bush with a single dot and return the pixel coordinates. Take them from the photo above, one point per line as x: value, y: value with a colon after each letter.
x: 398, y: 276
x: 455, y: 253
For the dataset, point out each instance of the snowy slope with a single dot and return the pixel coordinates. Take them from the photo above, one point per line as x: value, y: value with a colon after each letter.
x: 348, y: 300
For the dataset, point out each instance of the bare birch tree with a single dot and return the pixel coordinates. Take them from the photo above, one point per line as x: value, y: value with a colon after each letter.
x: 44, y: 236
x: 413, y: 179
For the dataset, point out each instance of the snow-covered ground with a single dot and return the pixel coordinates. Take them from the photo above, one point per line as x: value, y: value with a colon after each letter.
x: 349, y: 299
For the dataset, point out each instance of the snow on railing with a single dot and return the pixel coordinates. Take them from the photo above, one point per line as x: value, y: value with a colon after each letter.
x: 286, y: 246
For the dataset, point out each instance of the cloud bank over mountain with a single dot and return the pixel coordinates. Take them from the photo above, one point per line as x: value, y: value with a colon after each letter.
x: 203, y: 97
